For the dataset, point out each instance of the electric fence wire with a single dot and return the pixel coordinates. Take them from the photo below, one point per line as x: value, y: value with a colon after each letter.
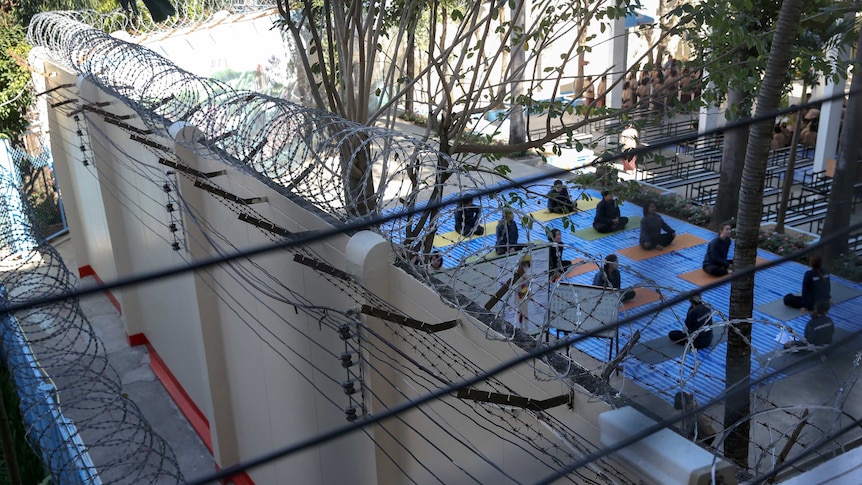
x: 72, y: 400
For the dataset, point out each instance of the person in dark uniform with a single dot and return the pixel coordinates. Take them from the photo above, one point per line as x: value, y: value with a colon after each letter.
x: 559, y: 200
x: 816, y: 286
x: 698, y: 316
x: 557, y: 265
x: 608, y: 217
x: 818, y: 330
x: 609, y: 277
x: 715, y: 261
x: 467, y: 219
x: 652, y: 226
x: 507, y: 234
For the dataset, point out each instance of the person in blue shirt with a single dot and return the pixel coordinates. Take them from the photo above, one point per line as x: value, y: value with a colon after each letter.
x: 559, y: 200
x: 816, y: 286
x: 608, y: 217
x: 715, y: 261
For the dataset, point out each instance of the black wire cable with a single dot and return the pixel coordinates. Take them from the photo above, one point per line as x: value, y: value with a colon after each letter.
x: 362, y: 223
x: 537, y: 353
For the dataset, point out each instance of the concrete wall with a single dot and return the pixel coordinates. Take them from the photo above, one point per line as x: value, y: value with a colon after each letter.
x: 244, y: 342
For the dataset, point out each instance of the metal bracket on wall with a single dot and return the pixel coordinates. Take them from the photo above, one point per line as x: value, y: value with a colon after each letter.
x: 515, y: 401
x: 407, y: 321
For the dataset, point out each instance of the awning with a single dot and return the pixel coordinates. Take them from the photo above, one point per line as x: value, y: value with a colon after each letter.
x: 634, y: 19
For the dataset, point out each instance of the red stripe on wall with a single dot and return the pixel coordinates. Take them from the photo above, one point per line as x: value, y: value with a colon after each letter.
x: 240, y: 478
x: 88, y: 270
x: 187, y: 406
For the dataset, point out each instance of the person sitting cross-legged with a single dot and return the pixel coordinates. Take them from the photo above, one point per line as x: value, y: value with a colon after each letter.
x: 715, y: 260
x: 698, y: 316
x: 609, y: 277
x: 652, y: 226
x: 818, y: 330
x: 608, y: 217
x: 559, y: 200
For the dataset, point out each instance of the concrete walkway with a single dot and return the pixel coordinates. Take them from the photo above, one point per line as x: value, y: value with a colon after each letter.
x: 138, y: 379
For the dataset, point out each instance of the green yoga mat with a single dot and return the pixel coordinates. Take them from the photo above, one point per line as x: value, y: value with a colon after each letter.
x: 591, y: 234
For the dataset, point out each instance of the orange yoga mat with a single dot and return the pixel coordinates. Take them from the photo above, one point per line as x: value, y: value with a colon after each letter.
x: 579, y: 267
x: 681, y: 241
x: 642, y: 297
x: 700, y: 277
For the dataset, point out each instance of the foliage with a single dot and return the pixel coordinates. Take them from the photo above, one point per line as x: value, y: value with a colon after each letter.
x: 676, y: 206
x: 780, y: 244
x: 15, y: 94
x: 29, y: 464
x: 848, y: 266
x: 736, y: 48
x: 416, y: 119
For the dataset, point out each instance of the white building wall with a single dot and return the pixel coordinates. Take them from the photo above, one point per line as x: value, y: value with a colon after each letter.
x: 269, y: 377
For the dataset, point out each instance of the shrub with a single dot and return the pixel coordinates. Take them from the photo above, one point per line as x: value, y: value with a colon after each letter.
x: 848, y: 266
x: 781, y: 244
x: 677, y: 206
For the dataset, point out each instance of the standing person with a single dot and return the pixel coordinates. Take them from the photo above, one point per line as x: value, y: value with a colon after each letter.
x: 652, y: 226
x: 557, y: 266
x: 603, y: 86
x: 643, y: 92
x: 590, y: 92
x: 559, y: 200
x: 816, y: 286
x: 507, y: 234
x: 818, y: 330
x: 628, y: 95
x: 467, y: 219
x: 609, y: 277
x: 629, y: 141
x: 698, y: 317
x: 715, y: 261
x: 608, y: 215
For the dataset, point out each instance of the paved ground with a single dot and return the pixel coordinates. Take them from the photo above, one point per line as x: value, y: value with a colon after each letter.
x: 138, y: 380
x: 817, y: 384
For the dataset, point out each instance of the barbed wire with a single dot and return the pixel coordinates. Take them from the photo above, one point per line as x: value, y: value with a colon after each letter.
x: 335, y: 165
x: 76, y: 412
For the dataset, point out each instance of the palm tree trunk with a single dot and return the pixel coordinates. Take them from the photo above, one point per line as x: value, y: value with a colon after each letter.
x: 846, y: 170
x: 732, y: 161
x: 738, y: 364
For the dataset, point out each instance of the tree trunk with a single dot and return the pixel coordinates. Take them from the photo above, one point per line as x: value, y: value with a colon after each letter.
x: 846, y: 170
x: 738, y: 364
x: 518, y: 115
x: 410, y: 68
x: 732, y: 161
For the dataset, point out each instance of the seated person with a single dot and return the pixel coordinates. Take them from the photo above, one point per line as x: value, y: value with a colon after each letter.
x: 816, y: 286
x: 608, y: 215
x: 557, y: 266
x: 652, y: 225
x: 818, y: 330
x: 715, y: 261
x: 467, y: 219
x: 609, y: 277
x: 507, y: 234
x: 435, y: 261
x: 697, y: 426
x: 698, y: 316
x: 559, y: 201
